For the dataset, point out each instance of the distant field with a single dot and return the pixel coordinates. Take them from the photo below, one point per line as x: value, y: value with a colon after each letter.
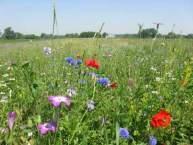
x: 148, y: 76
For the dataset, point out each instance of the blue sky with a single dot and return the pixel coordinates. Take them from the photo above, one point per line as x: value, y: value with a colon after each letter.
x: 120, y: 16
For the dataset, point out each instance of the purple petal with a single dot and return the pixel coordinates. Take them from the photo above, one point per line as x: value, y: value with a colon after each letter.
x: 11, y: 119
x: 51, y: 126
x: 57, y: 100
x: 66, y: 101
x: 54, y: 101
x: 44, y: 128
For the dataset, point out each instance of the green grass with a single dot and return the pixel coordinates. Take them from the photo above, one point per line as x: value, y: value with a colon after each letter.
x: 130, y: 105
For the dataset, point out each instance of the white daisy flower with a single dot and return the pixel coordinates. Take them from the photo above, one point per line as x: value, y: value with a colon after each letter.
x: 90, y: 105
x: 30, y: 134
x: 71, y: 92
x: 47, y: 50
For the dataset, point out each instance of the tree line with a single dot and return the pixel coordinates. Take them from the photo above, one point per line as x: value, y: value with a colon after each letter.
x: 8, y: 33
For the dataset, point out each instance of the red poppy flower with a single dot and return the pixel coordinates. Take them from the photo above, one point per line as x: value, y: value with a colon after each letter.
x: 92, y: 63
x: 113, y: 85
x: 161, y: 119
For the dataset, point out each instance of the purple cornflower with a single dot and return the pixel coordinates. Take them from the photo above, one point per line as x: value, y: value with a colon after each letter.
x: 57, y: 100
x: 44, y: 128
x: 124, y: 133
x: 152, y: 140
x: 103, y: 81
x: 11, y: 119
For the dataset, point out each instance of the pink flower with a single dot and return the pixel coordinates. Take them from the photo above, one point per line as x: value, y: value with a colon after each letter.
x: 11, y: 119
x: 44, y: 128
x: 57, y: 100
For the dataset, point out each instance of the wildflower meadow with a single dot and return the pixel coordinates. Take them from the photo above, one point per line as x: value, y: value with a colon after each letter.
x: 96, y: 92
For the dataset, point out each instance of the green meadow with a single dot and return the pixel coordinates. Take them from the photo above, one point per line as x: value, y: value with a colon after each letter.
x: 150, y: 75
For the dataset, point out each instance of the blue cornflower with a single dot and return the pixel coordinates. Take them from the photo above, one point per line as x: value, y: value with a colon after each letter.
x: 152, y: 140
x: 69, y: 59
x: 73, y: 62
x: 124, y: 133
x: 103, y: 81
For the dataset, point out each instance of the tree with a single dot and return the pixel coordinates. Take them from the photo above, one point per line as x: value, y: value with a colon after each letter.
x: 18, y: 35
x: 72, y: 35
x: 88, y: 34
x: 104, y: 35
x: 9, y: 33
x: 149, y: 33
x: 0, y: 33
x: 30, y: 36
x: 171, y: 35
x: 189, y: 36
x: 46, y: 36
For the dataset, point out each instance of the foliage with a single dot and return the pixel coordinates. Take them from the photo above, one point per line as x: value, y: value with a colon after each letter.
x: 148, y: 33
x: 72, y: 35
x: 145, y: 33
x: 9, y: 33
x: 88, y: 35
x: 189, y: 36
